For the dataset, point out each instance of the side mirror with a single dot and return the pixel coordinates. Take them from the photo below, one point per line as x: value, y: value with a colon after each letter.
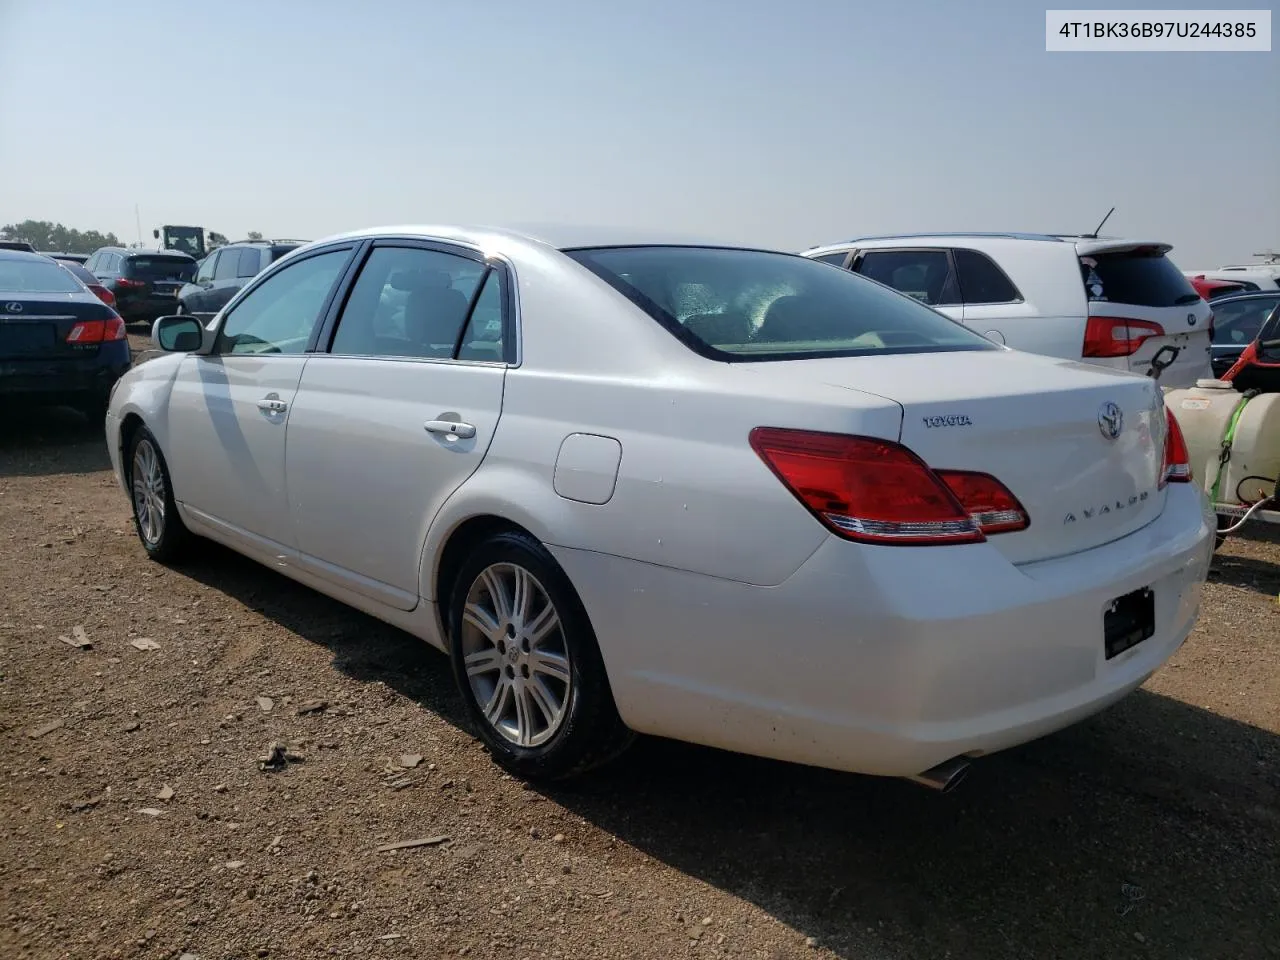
x: 177, y: 334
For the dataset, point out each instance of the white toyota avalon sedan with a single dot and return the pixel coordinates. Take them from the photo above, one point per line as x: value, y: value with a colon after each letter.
x: 729, y: 496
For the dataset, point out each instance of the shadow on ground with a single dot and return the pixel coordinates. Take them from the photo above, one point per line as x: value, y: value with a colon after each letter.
x: 39, y: 441
x: 1152, y: 830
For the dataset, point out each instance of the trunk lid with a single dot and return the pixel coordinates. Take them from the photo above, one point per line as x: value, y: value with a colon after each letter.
x: 37, y: 329
x: 1134, y: 280
x: 1035, y: 423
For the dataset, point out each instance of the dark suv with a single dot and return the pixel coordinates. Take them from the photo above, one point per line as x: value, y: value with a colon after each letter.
x: 145, y: 283
x: 225, y: 271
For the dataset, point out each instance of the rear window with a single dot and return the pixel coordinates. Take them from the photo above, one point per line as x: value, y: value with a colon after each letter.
x: 1143, y: 278
x: 162, y: 268
x: 80, y: 272
x: 36, y: 276
x: 1237, y: 322
x: 756, y: 305
x: 278, y: 252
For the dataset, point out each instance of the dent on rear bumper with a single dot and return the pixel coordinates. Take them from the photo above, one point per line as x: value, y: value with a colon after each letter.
x: 889, y: 660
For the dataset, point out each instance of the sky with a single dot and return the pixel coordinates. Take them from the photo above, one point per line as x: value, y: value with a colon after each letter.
x: 777, y: 124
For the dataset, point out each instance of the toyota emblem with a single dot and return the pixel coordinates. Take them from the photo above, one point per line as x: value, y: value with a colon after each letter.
x: 1110, y: 420
x: 13, y: 306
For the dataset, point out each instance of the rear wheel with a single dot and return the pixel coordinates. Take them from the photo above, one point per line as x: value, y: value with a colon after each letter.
x: 526, y: 662
x: 163, y: 534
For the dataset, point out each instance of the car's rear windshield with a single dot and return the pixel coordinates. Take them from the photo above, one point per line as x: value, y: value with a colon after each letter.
x: 35, y: 276
x: 1144, y: 277
x: 161, y: 268
x: 734, y: 304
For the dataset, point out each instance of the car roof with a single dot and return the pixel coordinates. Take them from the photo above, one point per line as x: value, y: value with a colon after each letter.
x: 21, y: 255
x: 1250, y: 295
x: 558, y: 236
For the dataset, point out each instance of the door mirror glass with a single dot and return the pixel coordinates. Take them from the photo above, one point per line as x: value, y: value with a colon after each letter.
x: 177, y: 334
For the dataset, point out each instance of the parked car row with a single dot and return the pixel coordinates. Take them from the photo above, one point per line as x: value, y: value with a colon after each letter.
x: 1112, y: 302
x: 732, y: 496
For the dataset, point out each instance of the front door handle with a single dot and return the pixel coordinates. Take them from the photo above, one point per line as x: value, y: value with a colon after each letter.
x: 272, y: 403
x: 451, y: 428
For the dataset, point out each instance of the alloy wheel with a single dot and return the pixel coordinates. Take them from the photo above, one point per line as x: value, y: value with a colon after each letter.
x: 515, y: 656
x: 148, y: 491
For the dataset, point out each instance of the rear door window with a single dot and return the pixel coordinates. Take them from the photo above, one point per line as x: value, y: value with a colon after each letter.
x: 924, y: 275
x: 1142, y: 277
x: 249, y: 262
x: 228, y: 265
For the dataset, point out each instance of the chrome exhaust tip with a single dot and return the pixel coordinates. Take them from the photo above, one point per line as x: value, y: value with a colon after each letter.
x: 945, y: 777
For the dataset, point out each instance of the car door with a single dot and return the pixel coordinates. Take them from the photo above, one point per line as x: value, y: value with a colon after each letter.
x: 228, y: 409
x: 924, y: 273
x: 196, y: 297
x: 1237, y: 323
x: 396, y: 414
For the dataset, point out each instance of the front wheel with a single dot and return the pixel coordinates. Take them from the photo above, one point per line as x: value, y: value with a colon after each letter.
x: 527, y: 664
x: 155, y: 515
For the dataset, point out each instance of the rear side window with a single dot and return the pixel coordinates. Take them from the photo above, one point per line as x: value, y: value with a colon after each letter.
x: 1143, y: 278
x: 733, y: 304
x: 228, y: 265
x: 35, y: 276
x: 835, y: 258
x: 278, y: 252
x: 250, y: 262
x: 161, y: 268
x: 981, y: 281
x: 1238, y: 322
x: 924, y: 275
x: 413, y: 302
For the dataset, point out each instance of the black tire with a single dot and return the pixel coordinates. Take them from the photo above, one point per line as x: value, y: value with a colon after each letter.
x: 174, y: 539
x: 590, y: 732
x: 1224, y: 521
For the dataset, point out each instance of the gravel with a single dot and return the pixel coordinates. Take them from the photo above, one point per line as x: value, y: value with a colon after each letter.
x: 379, y: 827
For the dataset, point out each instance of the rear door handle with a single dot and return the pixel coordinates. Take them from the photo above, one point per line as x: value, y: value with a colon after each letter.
x: 453, y: 428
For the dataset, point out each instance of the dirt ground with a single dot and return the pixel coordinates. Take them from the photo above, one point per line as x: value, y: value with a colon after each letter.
x: 137, y: 822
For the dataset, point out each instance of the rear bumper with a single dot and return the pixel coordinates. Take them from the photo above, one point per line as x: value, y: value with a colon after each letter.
x: 890, y: 660
x: 138, y: 310
x: 56, y: 379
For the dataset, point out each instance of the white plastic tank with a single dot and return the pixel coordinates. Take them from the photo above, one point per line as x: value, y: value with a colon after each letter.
x: 1204, y: 413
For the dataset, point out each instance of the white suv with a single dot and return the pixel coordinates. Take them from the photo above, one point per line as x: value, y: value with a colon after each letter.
x: 1116, y: 303
x: 1252, y: 277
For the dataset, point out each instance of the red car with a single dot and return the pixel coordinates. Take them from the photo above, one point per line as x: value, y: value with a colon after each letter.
x: 1213, y: 289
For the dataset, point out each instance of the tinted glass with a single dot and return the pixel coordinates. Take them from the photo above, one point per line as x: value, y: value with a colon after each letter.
x: 280, y: 251
x: 836, y: 258
x: 250, y: 262
x: 1142, y: 278
x: 924, y: 275
x: 483, y: 339
x: 981, y: 281
x: 1238, y: 322
x: 210, y: 263
x: 35, y: 276
x: 772, y: 306
x: 407, y: 302
x: 79, y: 272
x: 228, y: 264
x: 279, y: 314
x: 161, y: 268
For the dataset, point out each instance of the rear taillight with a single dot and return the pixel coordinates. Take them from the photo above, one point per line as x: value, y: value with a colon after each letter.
x: 1177, y: 458
x: 103, y: 294
x: 987, y: 500
x: 125, y: 283
x: 1117, y: 336
x: 97, y: 331
x: 878, y: 491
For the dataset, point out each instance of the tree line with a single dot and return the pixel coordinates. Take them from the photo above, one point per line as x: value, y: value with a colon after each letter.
x: 57, y: 238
